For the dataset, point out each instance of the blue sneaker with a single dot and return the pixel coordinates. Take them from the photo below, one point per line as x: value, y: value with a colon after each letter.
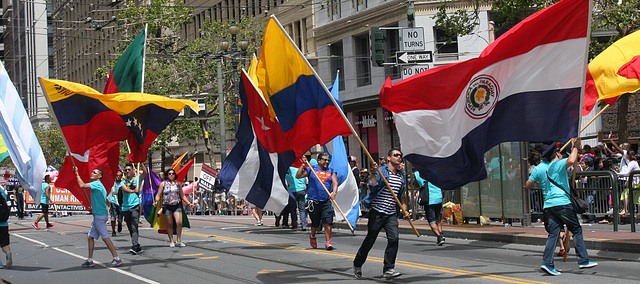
x: 550, y: 270
x: 0, y: 265
x: 587, y: 264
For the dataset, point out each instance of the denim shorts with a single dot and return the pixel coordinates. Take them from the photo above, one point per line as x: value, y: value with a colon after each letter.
x: 168, y: 209
x: 433, y: 212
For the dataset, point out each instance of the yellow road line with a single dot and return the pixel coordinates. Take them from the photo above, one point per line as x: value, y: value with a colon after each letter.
x: 192, y: 254
x: 377, y: 259
x: 208, y: 257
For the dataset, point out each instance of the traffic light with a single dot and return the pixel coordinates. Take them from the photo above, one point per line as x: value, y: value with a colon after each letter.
x: 377, y: 37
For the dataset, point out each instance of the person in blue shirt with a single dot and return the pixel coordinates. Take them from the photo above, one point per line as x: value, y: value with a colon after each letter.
x: 552, y: 176
x: 115, y: 212
x: 4, y: 237
x: 98, y: 207
x: 45, y: 200
x: 131, y: 203
x: 319, y: 202
x: 433, y: 207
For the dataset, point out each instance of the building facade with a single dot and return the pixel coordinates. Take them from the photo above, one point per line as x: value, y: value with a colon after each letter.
x: 27, y: 52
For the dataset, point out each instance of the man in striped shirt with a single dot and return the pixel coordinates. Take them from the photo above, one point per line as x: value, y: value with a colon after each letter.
x: 382, y: 214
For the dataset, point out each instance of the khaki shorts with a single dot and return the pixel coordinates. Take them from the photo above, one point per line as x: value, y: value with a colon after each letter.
x: 220, y: 197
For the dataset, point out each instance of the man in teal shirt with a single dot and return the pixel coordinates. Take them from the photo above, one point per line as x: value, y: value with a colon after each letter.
x: 298, y: 187
x: 131, y: 204
x: 552, y: 176
x: 433, y: 207
x: 100, y: 215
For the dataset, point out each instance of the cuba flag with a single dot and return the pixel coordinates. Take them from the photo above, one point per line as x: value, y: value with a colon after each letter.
x: 347, y: 195
x: 252, y: 172
x: 525, y: 86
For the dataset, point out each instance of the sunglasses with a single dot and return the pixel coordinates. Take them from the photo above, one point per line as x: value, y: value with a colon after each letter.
x: 326, y: 160
x: 95, y: 173
x: 171, y: 174
x: 398, y: 155
x: 128, y: 170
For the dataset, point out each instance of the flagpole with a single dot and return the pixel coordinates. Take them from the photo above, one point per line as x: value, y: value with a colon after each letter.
x: 585, y: 126
x: 64, y: 139
x: 144, y: 57
x: 328, y: 193
x: 353, y: 131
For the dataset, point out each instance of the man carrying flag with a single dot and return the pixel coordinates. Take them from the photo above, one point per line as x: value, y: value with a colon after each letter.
x: 383, y: 214
x: 321, y: 179
x: 131, y: 203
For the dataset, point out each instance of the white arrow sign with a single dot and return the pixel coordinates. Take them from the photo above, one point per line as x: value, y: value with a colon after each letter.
x: 414, y: 57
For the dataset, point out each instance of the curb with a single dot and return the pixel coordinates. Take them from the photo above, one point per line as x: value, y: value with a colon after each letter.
x: 592, y: 244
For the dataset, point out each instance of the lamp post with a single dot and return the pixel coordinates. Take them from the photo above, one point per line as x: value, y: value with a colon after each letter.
x: 232, y: 54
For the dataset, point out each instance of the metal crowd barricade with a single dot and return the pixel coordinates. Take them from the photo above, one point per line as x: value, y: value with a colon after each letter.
x: 601, y: 191
x: 633, y: 176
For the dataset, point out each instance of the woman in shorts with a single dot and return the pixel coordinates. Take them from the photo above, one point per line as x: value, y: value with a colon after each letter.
x: 172, y: 196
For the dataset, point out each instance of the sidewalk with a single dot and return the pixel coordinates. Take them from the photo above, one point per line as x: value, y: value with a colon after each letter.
x: 596, y: 236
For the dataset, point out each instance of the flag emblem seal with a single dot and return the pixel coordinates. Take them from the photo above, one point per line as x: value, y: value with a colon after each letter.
x: 482, y: 96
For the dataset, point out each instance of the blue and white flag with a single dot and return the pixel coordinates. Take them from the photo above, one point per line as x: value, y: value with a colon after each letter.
x: 347, y: 196
x: 250, y: 171
x: 21, y: 141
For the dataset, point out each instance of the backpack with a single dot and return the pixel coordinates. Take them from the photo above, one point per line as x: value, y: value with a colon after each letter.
x: 4, y: 209
x: 423, y: 198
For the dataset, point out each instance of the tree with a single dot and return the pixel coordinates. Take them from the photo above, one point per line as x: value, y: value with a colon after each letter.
x: 620, y: 16
x: 175, y: 67
x: 53, y: 147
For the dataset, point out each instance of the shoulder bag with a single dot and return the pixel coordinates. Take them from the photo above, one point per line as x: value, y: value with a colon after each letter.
x: 579, y: 205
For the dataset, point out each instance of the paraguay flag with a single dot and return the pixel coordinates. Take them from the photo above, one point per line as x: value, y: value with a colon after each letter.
x: 294, y: 93
x: 252, y: 172
x: 525, y: 86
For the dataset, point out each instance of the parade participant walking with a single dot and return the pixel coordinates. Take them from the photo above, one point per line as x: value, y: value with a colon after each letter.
x: 4, y: 235
x: 432, y: 207
x: 298, y: 187
x: 131, y: 204
x: 552, y: 176
x: 172, y: 197
x: 383, y: 214
x: 319, y: 202
x: 45, y: 198
x: 115, y: 198
x: 98, y: 207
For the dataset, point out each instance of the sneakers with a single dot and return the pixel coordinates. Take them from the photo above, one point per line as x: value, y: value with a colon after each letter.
x: 88, y: 264
x: 1, y: 265
x: 181, y: 244
x: 440, y: 240
x: 172, y: 245
x: 313, y: 242
x: 9, y: 260
x: 116, y: 262
x: 550, y: 270
x: 259, y: 223
x: 357, y: 272
x: 587, y: 264
x: 391, y: 273
x: 49, y: 226
x: 113, y: 234
x: 328, y: 245
x: 35, y: 226
x: 135, y: 249
x: 562, y: 252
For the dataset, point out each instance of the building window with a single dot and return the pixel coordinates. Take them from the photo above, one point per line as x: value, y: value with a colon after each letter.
x: 446, y: 46
x: 363, y: 65
x: 337, y: 62
x: 333, y: 8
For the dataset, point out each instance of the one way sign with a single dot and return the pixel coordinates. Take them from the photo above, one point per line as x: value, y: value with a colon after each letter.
x: 414, y: 57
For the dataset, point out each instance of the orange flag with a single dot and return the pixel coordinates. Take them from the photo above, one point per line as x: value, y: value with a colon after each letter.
x: 614, y: 72
x: 176, y: 164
